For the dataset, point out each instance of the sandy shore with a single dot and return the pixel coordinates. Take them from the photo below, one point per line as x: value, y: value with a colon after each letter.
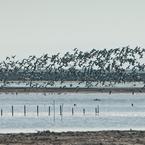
x: 75, y: 138
x: 73, y: 90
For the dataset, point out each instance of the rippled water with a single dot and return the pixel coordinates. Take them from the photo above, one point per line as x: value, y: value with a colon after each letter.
x: 116, y: 111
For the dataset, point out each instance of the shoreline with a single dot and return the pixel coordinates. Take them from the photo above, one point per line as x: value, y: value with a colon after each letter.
x: 115, y: 137
x: 71, y: 90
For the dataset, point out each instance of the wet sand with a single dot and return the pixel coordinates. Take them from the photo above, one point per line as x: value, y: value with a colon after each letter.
x: 72, y: 90
x: 75, y: 138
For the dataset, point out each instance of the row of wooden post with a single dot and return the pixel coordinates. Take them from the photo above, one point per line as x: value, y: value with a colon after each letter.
x: 84, y: 111
x: 49, y: 110
x: 25, y: 111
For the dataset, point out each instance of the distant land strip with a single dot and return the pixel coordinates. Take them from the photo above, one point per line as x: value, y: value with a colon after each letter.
x: 71, y: 90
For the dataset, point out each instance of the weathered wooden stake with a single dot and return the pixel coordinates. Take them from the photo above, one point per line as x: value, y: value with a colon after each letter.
x: 96, y: 110
x: 72, y: 111
x: 37, y: 110
x: 12, y: 110
x: 49, y: 110
x: 60, y: 110
x: 84, y: 111
x: 1, y: 112
x: 24, y: 110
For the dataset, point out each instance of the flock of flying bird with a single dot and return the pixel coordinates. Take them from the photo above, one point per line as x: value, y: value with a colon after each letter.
x: 100, y: 66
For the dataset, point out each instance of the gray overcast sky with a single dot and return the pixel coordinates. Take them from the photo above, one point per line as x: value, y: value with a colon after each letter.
x: 48, y: 26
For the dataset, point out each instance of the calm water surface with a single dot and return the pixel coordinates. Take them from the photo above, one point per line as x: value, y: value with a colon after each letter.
x: 116, y: 111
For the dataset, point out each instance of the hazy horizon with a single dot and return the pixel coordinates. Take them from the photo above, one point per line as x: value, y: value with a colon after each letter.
x: 34, y: 27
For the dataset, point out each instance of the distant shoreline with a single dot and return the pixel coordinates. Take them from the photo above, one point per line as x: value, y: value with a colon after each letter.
x: 71, y: 90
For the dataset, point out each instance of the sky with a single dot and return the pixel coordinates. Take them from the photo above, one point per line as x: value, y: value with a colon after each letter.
x: 35, y: 27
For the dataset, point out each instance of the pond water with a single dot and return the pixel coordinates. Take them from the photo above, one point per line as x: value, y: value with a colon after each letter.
x: 79, y: 112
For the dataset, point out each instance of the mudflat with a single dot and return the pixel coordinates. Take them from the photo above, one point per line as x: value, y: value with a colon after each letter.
x: 72, y: 90
x: 130, y: 137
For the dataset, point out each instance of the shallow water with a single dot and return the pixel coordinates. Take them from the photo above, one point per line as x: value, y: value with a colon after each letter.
x: 116, y: 111
x: 72, y: 84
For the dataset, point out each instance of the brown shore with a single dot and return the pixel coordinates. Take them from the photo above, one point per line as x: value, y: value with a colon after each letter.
x: 72, y: 90
x: 75, y: 138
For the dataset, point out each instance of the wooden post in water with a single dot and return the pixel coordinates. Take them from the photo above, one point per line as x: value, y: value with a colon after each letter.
x: 61, y: 106
x: 83, y: 111
x: 96, y: 111
x: 72, y: 110
x: 49, y: 110
x: 1, y: 112
x: 24, y: 110
x: 37, y: 110
x: 60, y: 109
x: 12, y: 110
